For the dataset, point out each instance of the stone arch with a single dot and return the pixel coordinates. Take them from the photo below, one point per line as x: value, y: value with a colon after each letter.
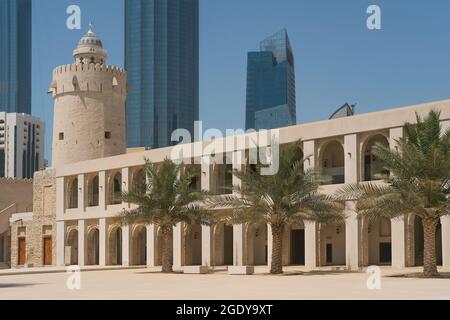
x: 115, y: 245
x: 193, y: 245
x: 93, y: 246
x: 93, y: 191
x: 115, y: 187
x: 72, y: 242
x: 72, y: 193
x: 379, y: 246
x: 139, y: 245
x: 139, y: 184
x: 257, y: 244
x: 373, y: 168
x: 223, y: 245
x: 294, y: 245
x: 332, y: 251
x: 415, y: 244
x: 332, y: 161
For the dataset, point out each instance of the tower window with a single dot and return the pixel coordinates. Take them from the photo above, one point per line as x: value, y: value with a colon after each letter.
x: 61, y: 136
x: 107, y: 135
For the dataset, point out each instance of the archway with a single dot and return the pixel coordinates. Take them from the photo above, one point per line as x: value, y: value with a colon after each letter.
x: 93, y: 247
x: 72, y: 242
x: 419, y: 242
x: 115, y: 188
x: 139, y: 182
x: 257, y: 245
x: 93, y: 192
x: 379, y: 242
x: 223, y: 245
x: 193, y: 245
x: 115, y: 246
x: 333, y: 162
x: 296, y: 244
x: 332, y: 244
x: 73, y: 194
x: 139, y: 245
x: 374, y: 167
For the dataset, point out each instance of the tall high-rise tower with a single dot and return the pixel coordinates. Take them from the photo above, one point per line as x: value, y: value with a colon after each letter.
x: 271, y: 84
x: 15, y: 56
x: 161, y: 58
x: 89, y: 110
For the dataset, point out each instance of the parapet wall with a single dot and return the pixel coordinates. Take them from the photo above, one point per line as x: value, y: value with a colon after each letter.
x: 88, y: 77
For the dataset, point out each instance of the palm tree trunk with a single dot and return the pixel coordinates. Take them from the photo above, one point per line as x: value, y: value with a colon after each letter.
x: 167, y: 249
x: 429, y: 252
x: 277, y: 246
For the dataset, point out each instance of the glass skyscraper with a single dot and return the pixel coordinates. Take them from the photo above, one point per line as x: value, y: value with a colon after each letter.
x: 271, y: 84
x: 161, y: 58
x: 15, y: 56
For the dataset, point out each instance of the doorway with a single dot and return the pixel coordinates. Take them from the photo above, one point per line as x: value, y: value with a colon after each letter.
x: 21, y: 252
x: 47, y: 251
x: 298, y: 247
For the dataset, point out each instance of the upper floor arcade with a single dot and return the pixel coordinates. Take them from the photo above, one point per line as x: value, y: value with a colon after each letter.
x: 341, y: 149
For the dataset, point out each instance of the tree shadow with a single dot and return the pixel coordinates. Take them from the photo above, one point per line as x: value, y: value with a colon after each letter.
x: 17, y: 285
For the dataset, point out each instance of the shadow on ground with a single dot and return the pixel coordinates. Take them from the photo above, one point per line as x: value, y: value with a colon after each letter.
x: 419, y: 275
x: 17, y: 285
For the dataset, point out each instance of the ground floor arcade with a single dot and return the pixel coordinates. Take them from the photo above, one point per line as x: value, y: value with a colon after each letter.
x: 397, y: 243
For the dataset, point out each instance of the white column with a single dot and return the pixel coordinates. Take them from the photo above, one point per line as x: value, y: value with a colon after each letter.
x: 206, y: 173
x: 238, y: 164
x: 81, y: 242
x: 309, y: 150
x: 126, y: 181
x: 310, y: 245
x: 351, y: 158
x: 126, y: 245
x: 178, y: 245
x: 81, y: 193
x: 445, y: 221
x: 60, y: 243
x: 60, y: 190
x: 394, y: 135
x: 351, y: 236
x: 238, y: 245
x: 102, y: 241
x: 102, y: 190
x: 239, y: 235
x: 269, y: 245
x: 207, y: 246
x: 398, y: 242
x: 152, y: 245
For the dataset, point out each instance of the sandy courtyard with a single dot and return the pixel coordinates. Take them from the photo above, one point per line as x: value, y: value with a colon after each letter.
x: 145, y: 284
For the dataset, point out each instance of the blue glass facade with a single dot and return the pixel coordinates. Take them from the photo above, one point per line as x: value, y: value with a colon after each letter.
x: 271, y: 84
x: 15, y: 56
x: 161, y: 58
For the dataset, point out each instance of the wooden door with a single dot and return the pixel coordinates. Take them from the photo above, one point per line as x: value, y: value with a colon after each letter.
x: 22, y: 252
x: 47, y: 251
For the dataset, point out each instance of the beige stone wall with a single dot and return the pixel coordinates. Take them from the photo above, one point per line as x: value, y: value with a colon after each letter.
x: 42, y: 225
x: 16, y: 191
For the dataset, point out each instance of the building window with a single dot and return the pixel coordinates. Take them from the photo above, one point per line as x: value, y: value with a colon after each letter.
x: 61, y: 136
x: 108, y: 135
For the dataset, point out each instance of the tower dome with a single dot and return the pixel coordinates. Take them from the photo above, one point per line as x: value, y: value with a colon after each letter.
x: 90, y: 49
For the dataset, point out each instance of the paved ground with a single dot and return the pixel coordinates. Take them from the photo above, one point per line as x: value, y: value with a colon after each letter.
x: 148, y: 284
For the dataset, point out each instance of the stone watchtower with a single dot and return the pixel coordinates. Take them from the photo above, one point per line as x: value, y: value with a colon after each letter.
x: 89, y: 108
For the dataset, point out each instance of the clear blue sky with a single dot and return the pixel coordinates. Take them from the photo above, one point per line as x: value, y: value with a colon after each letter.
x: 337, y: 58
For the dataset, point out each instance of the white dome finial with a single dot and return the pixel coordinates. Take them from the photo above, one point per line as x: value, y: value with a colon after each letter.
x: 90, y: 49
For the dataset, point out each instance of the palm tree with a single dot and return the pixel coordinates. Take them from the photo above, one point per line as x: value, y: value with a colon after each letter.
x: 288, y: 197
x: 419, y: 182
x: 168, y: 200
